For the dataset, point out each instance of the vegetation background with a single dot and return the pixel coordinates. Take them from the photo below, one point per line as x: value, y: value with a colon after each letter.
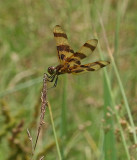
x: 95, y: 113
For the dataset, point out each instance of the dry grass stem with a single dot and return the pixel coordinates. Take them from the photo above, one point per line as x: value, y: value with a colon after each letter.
x: 43, y: 107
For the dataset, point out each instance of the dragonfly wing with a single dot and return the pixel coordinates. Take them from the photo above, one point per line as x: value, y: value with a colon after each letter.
x: 63, y: 47
x: 88, y: 67
x: 83, y: 52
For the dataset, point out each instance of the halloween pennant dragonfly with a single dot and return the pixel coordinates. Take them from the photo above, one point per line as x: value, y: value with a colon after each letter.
x: 70, y: 61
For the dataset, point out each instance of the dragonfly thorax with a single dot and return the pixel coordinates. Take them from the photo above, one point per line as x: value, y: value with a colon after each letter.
x: 51, y: 70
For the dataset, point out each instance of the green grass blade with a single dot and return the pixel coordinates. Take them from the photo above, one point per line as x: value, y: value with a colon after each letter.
x: 109, y: 136
x: 63, y: 108
x: 54, y: 131
x: 117, y: 31
x: 120, y: 84
x: 113, y: 108
x: 63, y: 129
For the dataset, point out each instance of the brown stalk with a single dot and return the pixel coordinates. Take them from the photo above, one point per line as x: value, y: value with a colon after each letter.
x: 43, y: 107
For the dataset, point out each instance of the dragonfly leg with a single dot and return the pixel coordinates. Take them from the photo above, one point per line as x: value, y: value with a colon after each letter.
x: 50, y: 77
x: 55, y: 84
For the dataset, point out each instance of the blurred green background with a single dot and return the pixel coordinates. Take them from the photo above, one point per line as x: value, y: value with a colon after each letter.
x: 92, y: 120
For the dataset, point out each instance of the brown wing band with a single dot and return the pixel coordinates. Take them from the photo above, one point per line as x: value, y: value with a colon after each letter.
x: 90, y: 69
x: 78, y: 71
x: 80, y: 55
x: 60, y: 35
x: 64, y: 48
x: 89, y: 46
x: 101, y: 65
x: 84, y: 66
x: 74, y: 60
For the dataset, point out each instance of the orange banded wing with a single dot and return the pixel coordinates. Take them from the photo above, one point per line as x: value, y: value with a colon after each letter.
x: 63, y: 47
x: 85, y: 50
x: 88, y: 67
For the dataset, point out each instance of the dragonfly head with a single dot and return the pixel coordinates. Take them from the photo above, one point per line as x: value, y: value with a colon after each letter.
x: 51, y: 70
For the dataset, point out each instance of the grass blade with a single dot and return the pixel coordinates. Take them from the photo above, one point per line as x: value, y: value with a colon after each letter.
x: 113, y: 108
x: 120, y: 83
x: 109, y: 136
x: 54, y: 131
x: 63, y: 129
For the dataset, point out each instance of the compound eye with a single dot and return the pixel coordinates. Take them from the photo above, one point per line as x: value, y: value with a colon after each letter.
x: 51, y: 70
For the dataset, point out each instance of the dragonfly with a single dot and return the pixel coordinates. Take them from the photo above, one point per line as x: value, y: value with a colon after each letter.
x: 70, y: 61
